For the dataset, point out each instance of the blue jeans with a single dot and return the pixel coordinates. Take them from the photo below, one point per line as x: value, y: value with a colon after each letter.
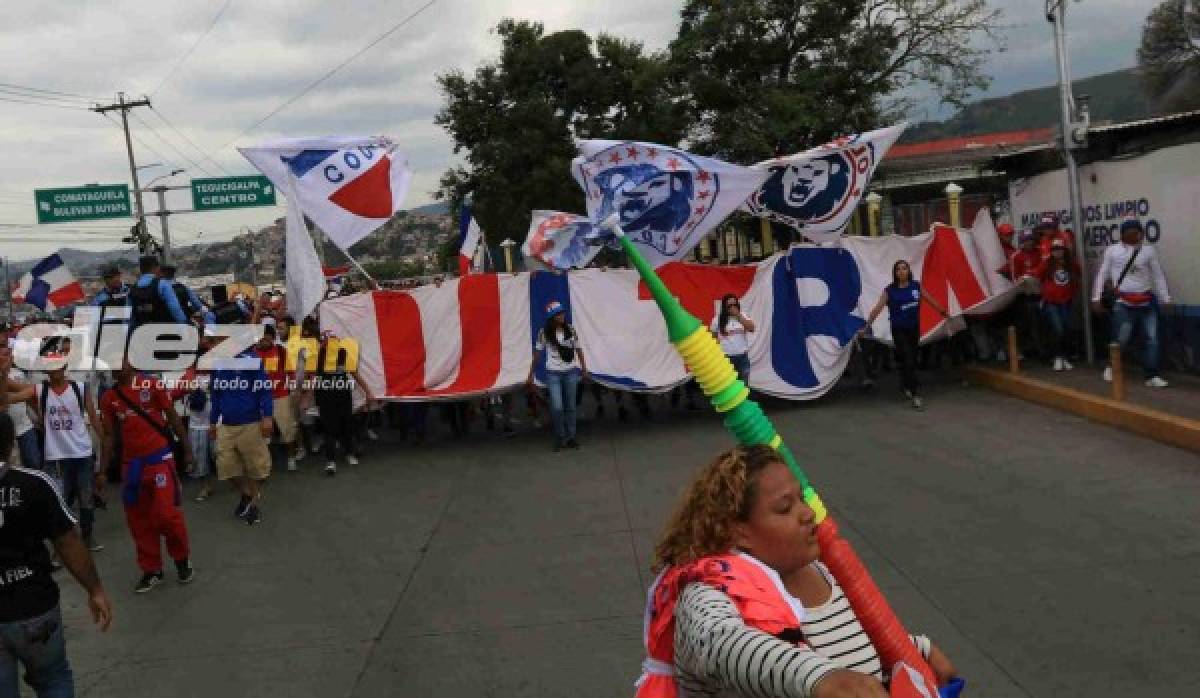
x: 1124, y: 318
x: 563, y: 387
x: 38, y: 644
x: 741, y: 364
x: 1058, y: 317
x: 30, y: 449
x: 77, y: 477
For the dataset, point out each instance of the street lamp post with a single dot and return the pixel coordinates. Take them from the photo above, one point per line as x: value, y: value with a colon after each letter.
x: 508, y: 244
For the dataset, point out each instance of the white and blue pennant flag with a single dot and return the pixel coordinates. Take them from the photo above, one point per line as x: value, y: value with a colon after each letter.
x: 560, y: 240
x: 817, y: 191
x: 667, y: 200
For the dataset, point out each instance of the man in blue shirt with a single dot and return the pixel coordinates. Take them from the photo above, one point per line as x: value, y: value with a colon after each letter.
x: 152, y: 299
x: 242, y: 422
x: 115, y: 294
x: 188, y: 300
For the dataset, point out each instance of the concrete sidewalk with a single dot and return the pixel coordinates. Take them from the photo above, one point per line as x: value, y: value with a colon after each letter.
x: 1181, y: 398
x: 1046, y: 555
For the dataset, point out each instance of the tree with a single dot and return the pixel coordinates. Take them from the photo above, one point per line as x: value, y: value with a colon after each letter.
x: 1169, y: 56
x: 790, y: 74
x: 517, y: 116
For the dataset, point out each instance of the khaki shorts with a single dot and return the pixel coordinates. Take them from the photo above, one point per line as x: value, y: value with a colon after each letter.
x: 285, y: 418
x: 242, y: 452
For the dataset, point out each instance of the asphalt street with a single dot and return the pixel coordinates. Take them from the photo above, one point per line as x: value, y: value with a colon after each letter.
x: 1046, y: 555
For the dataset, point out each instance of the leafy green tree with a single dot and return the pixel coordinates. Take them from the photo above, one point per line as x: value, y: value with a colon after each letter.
x: 1169, y: 56
x: 768, y: 74
x: 516, y: 117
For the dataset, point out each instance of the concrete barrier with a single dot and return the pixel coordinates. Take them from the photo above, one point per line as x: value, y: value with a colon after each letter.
x: 1145, y: 421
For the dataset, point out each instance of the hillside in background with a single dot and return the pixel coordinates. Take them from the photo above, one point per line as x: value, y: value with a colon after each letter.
x: 1115, y: 97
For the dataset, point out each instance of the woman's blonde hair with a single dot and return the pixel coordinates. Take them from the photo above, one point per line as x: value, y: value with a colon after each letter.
x: 720, y: 496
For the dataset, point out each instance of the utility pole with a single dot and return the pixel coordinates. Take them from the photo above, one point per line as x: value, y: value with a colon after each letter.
x: 8, y: 290
x: 1074, y: 128
x: 124, y: 107
x: 162, y: 219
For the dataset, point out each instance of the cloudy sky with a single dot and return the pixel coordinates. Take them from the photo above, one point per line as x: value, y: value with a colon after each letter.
x: 258, y: 55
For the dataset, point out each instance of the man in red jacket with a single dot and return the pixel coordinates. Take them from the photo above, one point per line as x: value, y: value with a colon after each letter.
x: 1047, y: 233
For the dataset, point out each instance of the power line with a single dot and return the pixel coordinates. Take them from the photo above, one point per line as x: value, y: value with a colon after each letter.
x: 171, y: 145
x: 395, y: 27
x: 189, y: 141
x: 43, y: 104
x: 50, y: 92
x: 188, y: 53
x: 48, y: 98
x: 141, y: 142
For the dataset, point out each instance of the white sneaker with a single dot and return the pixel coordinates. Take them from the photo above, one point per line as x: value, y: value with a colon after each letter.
x: 351, y: 459
x: 916, y: 402
x: 1001, y: 356
x: 1067, y: 365
x: 1108, y: 374
x: 372, y: 435
x: 1156, y: 382
x: 1058, y: 364
x: 331, y: 468
x: 291, y: 464
x: 300, y: 453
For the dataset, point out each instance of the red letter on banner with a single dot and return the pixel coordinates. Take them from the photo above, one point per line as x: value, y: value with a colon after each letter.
x: 946, y: 268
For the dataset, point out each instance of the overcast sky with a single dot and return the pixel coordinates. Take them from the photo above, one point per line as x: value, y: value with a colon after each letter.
x: 261, y: 53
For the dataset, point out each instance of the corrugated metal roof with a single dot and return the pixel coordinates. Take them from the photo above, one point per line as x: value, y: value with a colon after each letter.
x: 1005, y: 139
x: 1181, y: 116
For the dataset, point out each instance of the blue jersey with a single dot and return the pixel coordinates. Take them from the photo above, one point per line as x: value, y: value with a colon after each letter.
x: 904, y: 304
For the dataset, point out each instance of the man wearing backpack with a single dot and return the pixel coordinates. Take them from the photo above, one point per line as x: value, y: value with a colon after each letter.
x: 141, y: 411
x: 1138, y: 286
x: 65, y: 409
x: 152, y: 298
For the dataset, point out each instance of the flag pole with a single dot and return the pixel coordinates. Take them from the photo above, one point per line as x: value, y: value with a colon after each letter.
x: 8, y: 290
x: 359, y: 267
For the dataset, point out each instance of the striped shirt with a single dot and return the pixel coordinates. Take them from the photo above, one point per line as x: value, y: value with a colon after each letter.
x: 717, y: 654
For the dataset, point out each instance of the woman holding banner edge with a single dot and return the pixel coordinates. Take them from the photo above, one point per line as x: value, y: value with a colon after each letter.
x: 903, y: 299
x: 565, y: 368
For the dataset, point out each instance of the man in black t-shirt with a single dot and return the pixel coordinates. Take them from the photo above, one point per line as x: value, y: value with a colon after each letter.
x: 31, y: 512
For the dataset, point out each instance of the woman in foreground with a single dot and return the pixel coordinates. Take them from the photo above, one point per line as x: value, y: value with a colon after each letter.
x: 742, y: 606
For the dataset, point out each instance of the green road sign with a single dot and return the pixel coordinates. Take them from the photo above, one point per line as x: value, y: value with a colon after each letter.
x: 82, y: 203
x: 232, y: 192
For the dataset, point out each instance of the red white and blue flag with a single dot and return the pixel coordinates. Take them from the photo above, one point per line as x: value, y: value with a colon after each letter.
x: 347, y: 186
x: 470, y: 237
x: 49, y: 285
x: 558, y: 240
x: 666, y: 200
x: 475, y: 334
x: 817, y: 191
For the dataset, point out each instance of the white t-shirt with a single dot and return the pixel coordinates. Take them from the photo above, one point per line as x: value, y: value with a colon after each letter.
x: 198, y: 419
x: 734, y: 341
x: 18, y: 411
x: 554, y: 360
x: 67, y: 433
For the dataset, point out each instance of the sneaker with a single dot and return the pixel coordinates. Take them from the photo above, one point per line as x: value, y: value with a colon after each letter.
x: 917, y: 404
x: 331, y: 468
x: 1058, y: 365
x: 372, y: 435
x: 99, y: 502
x: 148, y: 582
x: 242, y: 506
x: 909, y: 394
x: 300, y: 452
x: 868, y: 383
x: 1156, y: 382
x: 1067, y: 365
x: 316, y: 447
x: 1108, y: 374
x: 185, y: 571
x: 1001, y: 356
x: 572, y: 443
x: 253, y: 515
x: 55, y: 563
x: 351, y: 459
x: 291, y: 464
x: 92, y: 544
x: 204, y: 493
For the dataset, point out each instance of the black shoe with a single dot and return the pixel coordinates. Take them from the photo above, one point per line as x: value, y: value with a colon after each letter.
x: 242, y: 506
x: 148, y: 582
x: 92, y: 544
x: 185, y: 570
x: 55, y: 564
x: 253, y: 515
x: 572, y: 443
x: 99, y: 502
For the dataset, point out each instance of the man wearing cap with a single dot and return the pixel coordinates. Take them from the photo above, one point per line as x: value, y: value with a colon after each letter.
x: 1047, y: 233
x: 115, y: 294
x: 1132, y: 270
x: 187, y: 298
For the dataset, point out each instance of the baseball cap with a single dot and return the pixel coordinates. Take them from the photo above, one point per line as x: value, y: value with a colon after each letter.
x: 554, y: 308
x: 1131, y: 224
x: 1047, y: 221
x: 1058, y: 244
x: 1004, y: 229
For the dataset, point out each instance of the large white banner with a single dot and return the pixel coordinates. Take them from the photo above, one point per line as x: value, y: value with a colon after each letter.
x: 1161, y: 188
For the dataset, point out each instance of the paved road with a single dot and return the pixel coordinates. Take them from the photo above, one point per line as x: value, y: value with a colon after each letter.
x: 1047, y: 555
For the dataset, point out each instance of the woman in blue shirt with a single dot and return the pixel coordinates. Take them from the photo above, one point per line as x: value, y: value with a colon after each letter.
x: 903, y: 300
